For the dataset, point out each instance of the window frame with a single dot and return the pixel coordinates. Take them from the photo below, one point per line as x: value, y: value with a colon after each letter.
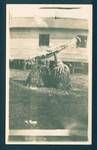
x: 81, y: 44
x: 44, y: 40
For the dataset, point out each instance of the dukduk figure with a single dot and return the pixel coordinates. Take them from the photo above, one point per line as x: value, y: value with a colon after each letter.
x: 47, y: 73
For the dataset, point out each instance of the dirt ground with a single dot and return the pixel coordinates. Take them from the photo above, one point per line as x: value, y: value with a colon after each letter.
x: 50, y: 108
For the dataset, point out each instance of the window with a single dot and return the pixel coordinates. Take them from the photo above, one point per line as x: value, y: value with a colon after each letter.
x: 44, y: 40
x: 81, y: 41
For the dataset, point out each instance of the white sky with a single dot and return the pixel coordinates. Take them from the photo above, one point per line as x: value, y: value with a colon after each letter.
x: 33, y: 10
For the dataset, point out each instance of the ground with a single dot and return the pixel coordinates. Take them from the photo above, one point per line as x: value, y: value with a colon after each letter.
x: 50, y: 108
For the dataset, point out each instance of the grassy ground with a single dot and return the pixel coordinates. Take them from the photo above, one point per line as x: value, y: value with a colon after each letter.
x: 51, y: 108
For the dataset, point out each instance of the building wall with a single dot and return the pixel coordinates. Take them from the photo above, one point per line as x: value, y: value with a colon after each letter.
x: 24, y: 43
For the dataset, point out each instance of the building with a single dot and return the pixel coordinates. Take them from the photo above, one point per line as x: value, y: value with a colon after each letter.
x: 31, y: 36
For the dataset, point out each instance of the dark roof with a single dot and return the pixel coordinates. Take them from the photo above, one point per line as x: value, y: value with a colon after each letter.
x: 30, y: 22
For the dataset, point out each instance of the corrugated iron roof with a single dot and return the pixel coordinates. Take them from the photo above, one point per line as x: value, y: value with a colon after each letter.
x: 31, y: 22
x: 74, y: 55
x: 68, y: 55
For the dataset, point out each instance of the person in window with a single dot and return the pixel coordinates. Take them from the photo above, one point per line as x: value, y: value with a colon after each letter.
x: 78, y: 41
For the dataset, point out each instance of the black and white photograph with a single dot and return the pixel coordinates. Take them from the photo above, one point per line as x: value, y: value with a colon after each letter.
x: 48, y: 74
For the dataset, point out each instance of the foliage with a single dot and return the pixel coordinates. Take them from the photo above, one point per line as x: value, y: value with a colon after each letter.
x: 50, y: 75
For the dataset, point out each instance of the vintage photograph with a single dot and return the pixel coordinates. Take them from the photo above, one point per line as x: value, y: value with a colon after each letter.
x: 48, y: 74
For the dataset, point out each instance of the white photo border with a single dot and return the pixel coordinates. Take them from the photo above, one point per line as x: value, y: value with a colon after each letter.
x: 89, y: 84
